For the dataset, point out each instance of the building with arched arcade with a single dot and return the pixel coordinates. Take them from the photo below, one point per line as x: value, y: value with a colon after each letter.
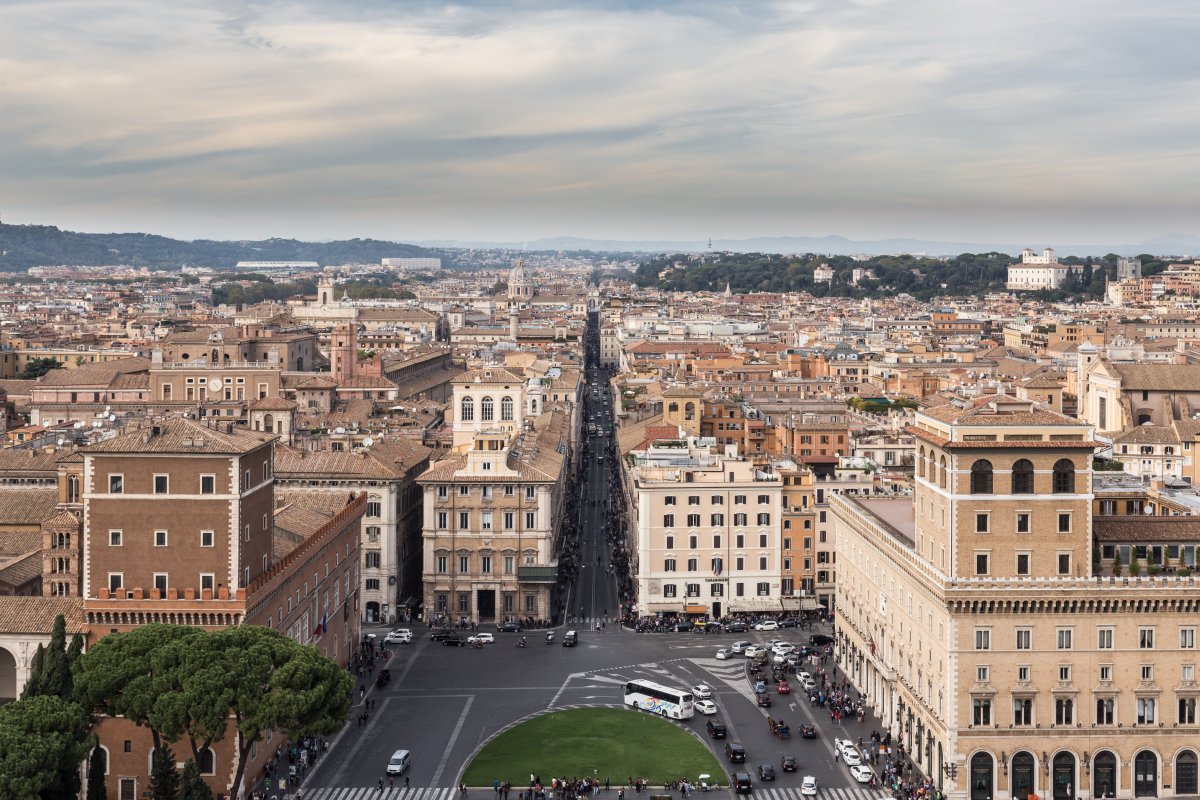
x: 973, y: 619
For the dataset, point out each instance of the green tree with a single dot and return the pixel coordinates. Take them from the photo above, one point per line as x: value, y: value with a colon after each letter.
x: 43, y: 740
x: 37, y: 367
x: 193, y: 787
x: 164, y: 777
x: 96, y: 790
x: 51, y: 673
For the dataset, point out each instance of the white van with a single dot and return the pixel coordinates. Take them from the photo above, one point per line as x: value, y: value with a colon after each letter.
x: 398, y: 763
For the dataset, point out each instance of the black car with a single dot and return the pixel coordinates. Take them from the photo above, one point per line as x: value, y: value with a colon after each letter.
x: 716, y: 729
x: 442, y: 633
x: 789, y: 622
x: 683, y: 626
x: 788, y: 763
x: 735, y: 753
x: 736, y: 627
x: 764, y: 700
x: 766, y: 772
x: 808, y: 731
x: 454, y: 641
x: 741, y: 783
x: 509, y: 627
x: 820, y: 640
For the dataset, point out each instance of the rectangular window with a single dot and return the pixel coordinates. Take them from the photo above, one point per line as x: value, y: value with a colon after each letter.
x: 668, y: 501
x: 1064, y: 673
x: 983, y: 639
x: 668, y: 565
x: 464, y: 520
x: 692, y: 564
x: 1187, y: 711
x: 763, y: 589
x: 510, y: 520
x: 530, y: 520
x: 1064, y: 711
x: 160, y: 538
x: 207, y: 581
x: 1022, y: 563
x: 1064, y: 522
x: 1106, y: 711
x: 374, y: 508
x: 1145, y: 710
x: 208, y: 484
x: 981, y: 563
x: 981, y: 523
x: 1146, y: 638
x: 161, y: 483
x: 1104, y: 639
x: 1147, y: 673
x: 982, y: 711
x: 464, y: 564
x: 981, y: 674
x: 1024, y: 639
x: 485, y: 520
x: 1023, y: 522
x: 372, y: 559
x: 485, y: 565
x: 1187, y: 673
x: 694, y: 500
x: 115, y: 581
x: 1064, y: 563
x: 443, y: 520
x: 443, y: 564
x: 693, y: 520
x: 1022, y: 711
x: 668, y: 520
x: 739, y: 499
x: 160, y: 581
x: 1105, y: 673
x: 116, y: 484
x: 508, y: 565
x: 669, y: 590
x: 762, y: 563
x: 1187, y: 638
x: 443, y: 491
x: 114, y: 538
x: 1063, y: 638
x: 1023, y: 674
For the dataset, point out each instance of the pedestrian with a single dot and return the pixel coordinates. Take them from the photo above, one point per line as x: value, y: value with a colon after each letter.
x: 405, y: 781
x: 381, y: 785
x: 836, y: 755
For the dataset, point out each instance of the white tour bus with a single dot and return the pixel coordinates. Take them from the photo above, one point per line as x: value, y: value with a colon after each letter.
x: 659, y: 699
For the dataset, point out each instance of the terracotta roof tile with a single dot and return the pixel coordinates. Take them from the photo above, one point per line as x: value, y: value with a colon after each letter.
x: 36, y: 614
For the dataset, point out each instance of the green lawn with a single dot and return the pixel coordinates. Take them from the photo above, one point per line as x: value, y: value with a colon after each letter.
x: 597, y: 742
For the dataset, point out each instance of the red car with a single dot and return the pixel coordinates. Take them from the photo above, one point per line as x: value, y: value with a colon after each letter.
x: 784, y: 688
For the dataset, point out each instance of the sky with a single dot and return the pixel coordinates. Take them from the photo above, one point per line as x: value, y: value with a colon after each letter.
x: 1028, y: 121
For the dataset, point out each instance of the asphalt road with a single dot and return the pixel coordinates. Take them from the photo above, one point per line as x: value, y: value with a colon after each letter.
x: 443, y: 703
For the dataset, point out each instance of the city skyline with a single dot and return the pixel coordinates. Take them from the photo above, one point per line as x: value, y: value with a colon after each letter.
x: 986, y: 121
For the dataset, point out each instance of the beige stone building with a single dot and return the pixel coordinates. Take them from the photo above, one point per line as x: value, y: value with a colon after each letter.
x: 708, y: 530
x: 493, y: 509
x: 973, y: 621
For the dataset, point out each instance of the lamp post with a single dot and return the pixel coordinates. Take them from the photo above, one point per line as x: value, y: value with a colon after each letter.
x: 1004, y: 761
x: 951, y: 770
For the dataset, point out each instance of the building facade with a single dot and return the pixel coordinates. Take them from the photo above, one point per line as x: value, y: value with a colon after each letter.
x: 975, y: 622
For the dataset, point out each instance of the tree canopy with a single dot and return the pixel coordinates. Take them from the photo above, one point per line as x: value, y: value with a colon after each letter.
x: 189, y: 684
x: 37, y: 367
x: 43, y: 739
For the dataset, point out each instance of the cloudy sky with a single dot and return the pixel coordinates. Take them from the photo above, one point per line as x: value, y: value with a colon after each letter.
x: 1032, y: 121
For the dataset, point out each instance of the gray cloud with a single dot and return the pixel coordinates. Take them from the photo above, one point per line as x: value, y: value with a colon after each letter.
x: 1015, y: 120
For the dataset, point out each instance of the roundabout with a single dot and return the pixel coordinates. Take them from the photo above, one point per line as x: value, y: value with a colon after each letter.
x: 600, y: 743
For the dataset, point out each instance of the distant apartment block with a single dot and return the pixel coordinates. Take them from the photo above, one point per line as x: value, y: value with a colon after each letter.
x: 413, y: 263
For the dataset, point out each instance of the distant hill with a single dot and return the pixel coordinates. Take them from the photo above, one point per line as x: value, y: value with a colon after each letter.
x: 1174, y: 244
x: 24, y: 246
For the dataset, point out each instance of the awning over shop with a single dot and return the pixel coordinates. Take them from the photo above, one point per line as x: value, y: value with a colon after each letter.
x: 801, y: 604
x: 695, y: 609
x: 654, y: 608
x: 755, y: 604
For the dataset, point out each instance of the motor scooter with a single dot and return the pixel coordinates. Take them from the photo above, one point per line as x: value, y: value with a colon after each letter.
x: 549, y: 638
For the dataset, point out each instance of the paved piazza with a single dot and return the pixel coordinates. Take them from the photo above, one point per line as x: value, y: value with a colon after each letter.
x: 443, y: 703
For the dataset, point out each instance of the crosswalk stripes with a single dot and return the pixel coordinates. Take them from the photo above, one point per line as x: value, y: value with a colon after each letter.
x: 823, y: 793
x: 373, y: 793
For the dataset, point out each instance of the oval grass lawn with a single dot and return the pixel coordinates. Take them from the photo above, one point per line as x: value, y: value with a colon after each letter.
x: 593, y: 742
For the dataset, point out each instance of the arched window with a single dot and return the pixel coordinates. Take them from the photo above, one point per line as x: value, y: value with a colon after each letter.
x: 207, y: 762
x: 922, y: 472
x: 942, y: 471
x: 506, y: 408
x: 468, y: 409
x: 1064, y: 476
x: 100, y: 762
x: 981, y: 477
x: 487, y: 410
x: 72, y: 488
x: 689, y: 411
x: 1022, y: 477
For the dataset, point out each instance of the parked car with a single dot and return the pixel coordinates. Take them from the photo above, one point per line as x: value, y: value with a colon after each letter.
x: 808, y: 787
x: 724, y: 653
x: 788, y: 763
x: 705, y: 707
x: 862, y: 774
x: 766, y: 772
x: 702, y: 691
x: 716, y: 729
x: 768, y: 625
x: 398, y: 636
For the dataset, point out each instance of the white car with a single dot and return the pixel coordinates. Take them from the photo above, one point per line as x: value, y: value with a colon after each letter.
x: 482, y: 638
x: 862, y: 774
x: 702, y: 692
x: 783, y: 648
x: 740, y: 647
x: 705, y: 707
x: 754, y: 650
x: 808, y: 787
x: 398, y: 636
x: 841, y: 745
x: 852, y: 757
x: 769, y: 625
x: 724, y: 653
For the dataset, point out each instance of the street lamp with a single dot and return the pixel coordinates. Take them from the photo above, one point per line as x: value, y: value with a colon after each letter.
x: 951, y: 770
x: 1004, y: 761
